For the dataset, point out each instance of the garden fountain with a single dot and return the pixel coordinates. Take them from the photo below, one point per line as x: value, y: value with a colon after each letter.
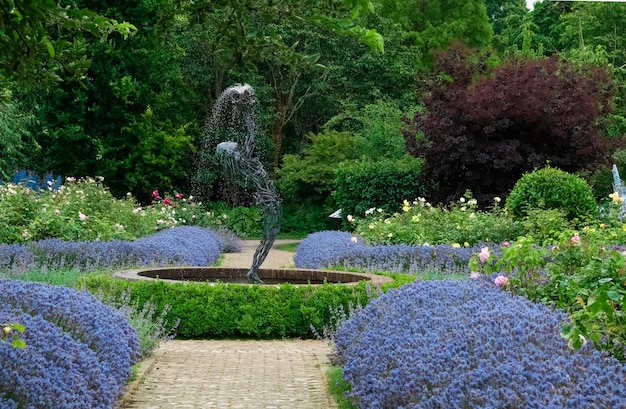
x: 233, y: 119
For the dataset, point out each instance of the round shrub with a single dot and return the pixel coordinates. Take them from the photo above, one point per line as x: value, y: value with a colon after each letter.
x: 551, y: 188
x: 467, y: 344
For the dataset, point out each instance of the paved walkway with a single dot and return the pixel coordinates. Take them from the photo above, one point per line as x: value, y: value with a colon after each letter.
x: 284, y: 374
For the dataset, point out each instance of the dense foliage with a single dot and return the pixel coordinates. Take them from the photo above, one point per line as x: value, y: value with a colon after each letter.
x: 581, y: 274
x: 459, y: 344
x: 485, y: 126
x: 79, y: 351
x: 385, y: 183
x: 551, y: 188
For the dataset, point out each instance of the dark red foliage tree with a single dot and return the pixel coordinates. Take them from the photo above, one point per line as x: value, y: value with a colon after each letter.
x: 485, y: 127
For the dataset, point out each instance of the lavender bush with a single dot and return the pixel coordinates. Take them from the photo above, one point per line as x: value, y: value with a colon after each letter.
x: 53, y: 371
x: 339, y: 249
x: 466, y: 344
x: 183, y: 245
x: 82, y: 317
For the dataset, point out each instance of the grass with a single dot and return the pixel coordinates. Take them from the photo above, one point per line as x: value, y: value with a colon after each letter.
x: 337, y: 387
x: 67, y: 278
x: 287, y: 247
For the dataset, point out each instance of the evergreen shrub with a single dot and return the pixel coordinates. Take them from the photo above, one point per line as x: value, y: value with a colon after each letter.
x: 228, y: 310
x: 362, y: 185
x: 551, y: 188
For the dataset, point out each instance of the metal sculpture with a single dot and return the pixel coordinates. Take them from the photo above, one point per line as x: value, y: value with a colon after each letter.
x: 239, y: 163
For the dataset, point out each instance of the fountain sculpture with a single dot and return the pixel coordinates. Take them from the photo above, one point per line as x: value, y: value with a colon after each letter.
x: 230, y: 133
x: 239, y: 162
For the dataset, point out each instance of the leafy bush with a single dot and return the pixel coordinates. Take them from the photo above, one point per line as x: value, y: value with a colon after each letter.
x: 551, y: 188
x: 453, y: 344
x: 364, y: 184
x: 579, y: 275
x: 79, y: 351
x: 340, y: 249
x: 149, y: 326
x: 376, y: 128
x: 184, y: 245
x: 461, y: 223
x: 79, y: 210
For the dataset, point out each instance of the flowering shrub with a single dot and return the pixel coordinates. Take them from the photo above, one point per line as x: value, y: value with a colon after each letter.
x: 456, y: 344
x: 79, y: 351
x: 184, y: 245
x: 150, y: 326
x: 53, y: 371
x: 340, y: 249
x: 79, y: 210
x: 83, y: 317
x: 579, y: 275
x: 418, y: 223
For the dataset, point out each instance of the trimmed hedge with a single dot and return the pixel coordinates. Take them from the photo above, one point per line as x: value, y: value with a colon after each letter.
x: 228, y: 310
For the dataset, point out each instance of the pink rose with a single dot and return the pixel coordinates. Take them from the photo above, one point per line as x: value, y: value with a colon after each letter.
x: 179, y: 196
x: 155, y: 194
x: 166, y: 201
x: 506, y: 244
x: 576, y: 239
x: 500, y: 281
x: 484, y: 255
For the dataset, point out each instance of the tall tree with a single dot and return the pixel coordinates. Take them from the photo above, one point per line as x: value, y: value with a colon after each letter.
x: 435, y: 24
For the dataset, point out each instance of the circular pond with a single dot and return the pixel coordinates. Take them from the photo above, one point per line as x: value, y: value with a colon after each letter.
x: 238, y: 275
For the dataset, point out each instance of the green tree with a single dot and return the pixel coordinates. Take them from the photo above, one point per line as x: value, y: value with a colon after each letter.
x: 590, y: 25
x: 15, y: 140
x: 435, y: 24
x: 43, y: 40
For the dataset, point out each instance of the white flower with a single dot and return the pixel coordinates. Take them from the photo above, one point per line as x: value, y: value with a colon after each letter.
x: 472, y: 202
x: 82, y: 216
x: 462, y: 200
x: 354, y: 239
x: 497, y: 199
x: 135, y: 211
x: 350, y: 218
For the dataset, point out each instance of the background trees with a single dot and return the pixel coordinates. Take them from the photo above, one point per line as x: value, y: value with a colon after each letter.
x: 86, y: 94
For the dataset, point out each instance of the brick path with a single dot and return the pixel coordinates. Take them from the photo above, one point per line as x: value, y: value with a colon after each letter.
x: 285, y: 374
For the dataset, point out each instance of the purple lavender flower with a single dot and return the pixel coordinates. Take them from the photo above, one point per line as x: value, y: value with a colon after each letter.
x: 467, y: 344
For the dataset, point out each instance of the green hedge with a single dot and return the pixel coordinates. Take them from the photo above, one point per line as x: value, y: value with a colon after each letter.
x: 227, y: 310
x: 383, y: 184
